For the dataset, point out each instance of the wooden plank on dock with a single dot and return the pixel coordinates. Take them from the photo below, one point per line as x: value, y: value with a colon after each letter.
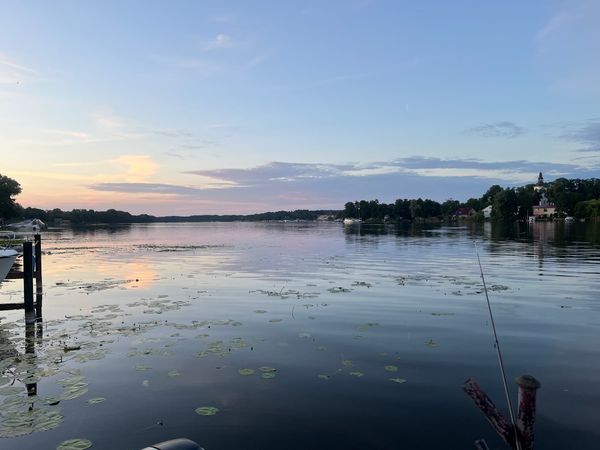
x: 14, y: 276
x: 11, y: 306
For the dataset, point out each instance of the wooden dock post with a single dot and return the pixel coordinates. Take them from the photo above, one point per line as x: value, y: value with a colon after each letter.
x: 528, y: 387
x: 28, y: 282
x: 38, y: 260
x: 39, y: 290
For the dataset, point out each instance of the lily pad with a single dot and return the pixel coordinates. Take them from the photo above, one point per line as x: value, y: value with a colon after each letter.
x: 207, y: 410
x: 323, y: 377
x: 74, y: 444
x: 398, y: 380
x: 391, y: 368
x: 267, y: 369
x: 268, y: 375
x: 347, y: 363
x: 357, y: 374
x: 96, y: 400
x: 174, y: 373
x: 246, y: 372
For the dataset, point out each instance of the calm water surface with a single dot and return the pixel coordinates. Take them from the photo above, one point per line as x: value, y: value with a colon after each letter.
x: 365, y: 336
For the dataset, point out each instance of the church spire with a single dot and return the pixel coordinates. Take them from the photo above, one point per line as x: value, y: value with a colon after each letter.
x: 540, y: 180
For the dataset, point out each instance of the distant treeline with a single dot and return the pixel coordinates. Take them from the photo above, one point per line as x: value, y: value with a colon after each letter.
x: 576, y: 197
x: 89, y: 216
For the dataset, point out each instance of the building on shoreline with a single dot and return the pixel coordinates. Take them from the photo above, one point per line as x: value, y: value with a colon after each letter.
x: 544, y: 209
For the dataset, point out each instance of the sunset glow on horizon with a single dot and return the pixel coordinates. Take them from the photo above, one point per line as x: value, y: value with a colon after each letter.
x: 181, y: 108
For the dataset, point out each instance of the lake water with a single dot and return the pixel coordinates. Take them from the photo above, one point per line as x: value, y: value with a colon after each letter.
x: 364, y: 336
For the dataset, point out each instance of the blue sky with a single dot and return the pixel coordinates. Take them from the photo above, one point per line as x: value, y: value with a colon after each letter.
x: 191, y: 107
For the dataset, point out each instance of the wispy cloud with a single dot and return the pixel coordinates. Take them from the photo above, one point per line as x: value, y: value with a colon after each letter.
x: 567, y: 46
x: 12, y: 73
x: 129, y: 167
x: 586, y: 134
x: 220, y: 41
x: 554, y: 25
x: 502, y: 129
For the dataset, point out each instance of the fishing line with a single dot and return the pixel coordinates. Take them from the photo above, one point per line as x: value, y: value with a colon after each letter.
x: 498, y: 352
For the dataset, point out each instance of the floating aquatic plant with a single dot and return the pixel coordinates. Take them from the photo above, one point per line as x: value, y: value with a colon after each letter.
x: 19, y: 423
x: 95, y: 400
x: 357, y: 374
x: 207, y: 410
x: 398, y: 380
x: 391, y: 368
x: 246, y: 372
x: 74, y: 444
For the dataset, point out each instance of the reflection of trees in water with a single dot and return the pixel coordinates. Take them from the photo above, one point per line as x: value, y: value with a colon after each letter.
x: 100, y: 229
x: 537, y: 240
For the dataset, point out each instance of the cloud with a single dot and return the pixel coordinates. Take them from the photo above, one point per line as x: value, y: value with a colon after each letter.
x: 586, y: 134
x: 502, y: 129
x: 12, y: 73
x: 556, y: 23
x: 285, y: 185
x: 136, y: 167
x: 220, y: 41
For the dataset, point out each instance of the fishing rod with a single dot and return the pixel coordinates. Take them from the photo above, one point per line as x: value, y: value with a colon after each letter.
x: 499, y: 353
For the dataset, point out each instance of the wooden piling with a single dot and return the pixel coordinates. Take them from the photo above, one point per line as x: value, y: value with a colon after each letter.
x: 528, y: 387
x: 28, y: 282
x: 39, y: 290
x: 38, y: 261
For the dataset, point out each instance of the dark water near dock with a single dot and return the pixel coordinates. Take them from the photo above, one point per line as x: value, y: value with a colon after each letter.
x: 364, y: 336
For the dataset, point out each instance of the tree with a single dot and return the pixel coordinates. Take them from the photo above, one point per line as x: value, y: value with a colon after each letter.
x: 9, y: 188
x: 350, y: 210
x: 505, y: 205
x: 488, y: 197
x: 449, y: 207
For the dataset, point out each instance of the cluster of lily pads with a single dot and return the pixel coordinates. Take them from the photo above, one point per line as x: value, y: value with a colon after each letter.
x: 88, y: 336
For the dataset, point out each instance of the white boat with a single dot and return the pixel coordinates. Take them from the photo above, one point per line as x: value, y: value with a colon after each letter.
x: 32, y: 225
x: 7, y: 254
x: 350, y: 221
x: 7, y: 259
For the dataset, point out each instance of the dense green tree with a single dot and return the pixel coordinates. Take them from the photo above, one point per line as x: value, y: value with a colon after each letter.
x: 505, y: 205
x: 449, y: 207
x: 588, y: 209
x: 9, y: 189
x: 488, y: 197
x: 474, y: 203
x: 401, y: 209
x: 350, y: 210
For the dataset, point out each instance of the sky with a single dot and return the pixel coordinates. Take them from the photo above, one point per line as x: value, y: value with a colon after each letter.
x: 217, y: 107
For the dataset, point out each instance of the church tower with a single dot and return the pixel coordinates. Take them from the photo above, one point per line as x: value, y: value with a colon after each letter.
x: 540, y: 183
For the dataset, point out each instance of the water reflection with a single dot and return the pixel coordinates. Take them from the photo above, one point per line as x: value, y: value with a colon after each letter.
x: 393, y: 317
